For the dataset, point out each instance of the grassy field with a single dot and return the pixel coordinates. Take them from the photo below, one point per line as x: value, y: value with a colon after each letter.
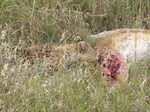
x: 35, y: 88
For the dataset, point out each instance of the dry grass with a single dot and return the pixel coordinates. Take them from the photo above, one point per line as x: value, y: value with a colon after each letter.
x: 24, y: 88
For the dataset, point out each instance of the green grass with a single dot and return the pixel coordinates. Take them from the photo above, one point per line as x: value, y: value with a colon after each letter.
x: 40, y: 22
x: 35, y: 90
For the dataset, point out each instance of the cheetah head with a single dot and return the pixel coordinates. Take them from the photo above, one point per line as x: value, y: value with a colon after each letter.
x: 86, y: 51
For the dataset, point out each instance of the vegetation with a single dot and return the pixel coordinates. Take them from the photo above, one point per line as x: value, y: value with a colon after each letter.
x: 33, y: 22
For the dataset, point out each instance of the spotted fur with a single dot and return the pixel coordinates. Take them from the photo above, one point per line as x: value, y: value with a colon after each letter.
x: 53, y: 55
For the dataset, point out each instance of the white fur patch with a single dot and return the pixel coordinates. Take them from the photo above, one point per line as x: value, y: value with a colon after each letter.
x: 133, y: 50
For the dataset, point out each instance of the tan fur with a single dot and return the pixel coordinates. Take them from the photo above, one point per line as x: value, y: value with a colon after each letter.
x: 107, y: 34
x: 65, y: 54
x: 83, y: 49
x: 121, y: 37
x: 120, y: 41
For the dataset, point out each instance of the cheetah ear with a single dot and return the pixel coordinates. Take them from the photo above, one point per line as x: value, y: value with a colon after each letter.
x: 63, y: 38
x: 82, y: 47
x: 77, y: 39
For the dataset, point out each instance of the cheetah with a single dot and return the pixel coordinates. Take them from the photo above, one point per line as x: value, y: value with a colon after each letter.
x: 53, y: 55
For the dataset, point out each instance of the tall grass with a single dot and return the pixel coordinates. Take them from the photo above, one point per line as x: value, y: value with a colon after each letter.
x: 44, y: 21
x: 24, y: 88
